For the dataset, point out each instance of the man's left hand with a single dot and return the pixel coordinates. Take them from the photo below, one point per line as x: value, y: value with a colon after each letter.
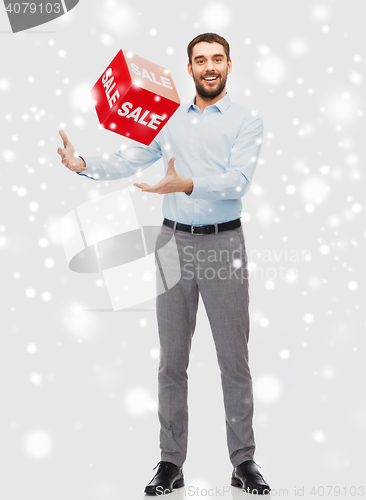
x: 172, y: 182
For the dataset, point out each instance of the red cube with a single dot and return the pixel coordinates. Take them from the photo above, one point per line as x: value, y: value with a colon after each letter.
x: 135, y: 97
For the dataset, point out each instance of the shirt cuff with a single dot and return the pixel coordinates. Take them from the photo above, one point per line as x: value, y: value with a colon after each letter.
x: 199, y: 187
x: 87, y: 173
x: 80, y: 173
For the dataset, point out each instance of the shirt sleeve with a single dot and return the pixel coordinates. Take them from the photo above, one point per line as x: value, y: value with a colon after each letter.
x: 125, y: 163
x: 235, y: 182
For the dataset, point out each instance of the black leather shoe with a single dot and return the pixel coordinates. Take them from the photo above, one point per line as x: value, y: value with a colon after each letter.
x: 247, y: 476
x: 168, y: 476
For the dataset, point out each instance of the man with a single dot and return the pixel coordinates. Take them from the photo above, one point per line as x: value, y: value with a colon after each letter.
x: 216, y: 145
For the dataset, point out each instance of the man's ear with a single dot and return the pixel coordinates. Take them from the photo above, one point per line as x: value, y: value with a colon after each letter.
x: 229, y: 66
x: 189, y: 68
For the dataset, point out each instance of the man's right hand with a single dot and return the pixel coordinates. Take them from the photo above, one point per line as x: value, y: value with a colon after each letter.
x: 69, y: 158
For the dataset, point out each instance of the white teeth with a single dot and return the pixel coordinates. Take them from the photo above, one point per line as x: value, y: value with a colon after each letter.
x: 210, y: 78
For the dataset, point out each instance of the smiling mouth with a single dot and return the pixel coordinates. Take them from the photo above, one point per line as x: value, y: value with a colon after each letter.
x: 210, y: 78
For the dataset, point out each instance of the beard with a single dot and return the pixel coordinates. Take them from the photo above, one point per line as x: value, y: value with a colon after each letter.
x: 207, y: 92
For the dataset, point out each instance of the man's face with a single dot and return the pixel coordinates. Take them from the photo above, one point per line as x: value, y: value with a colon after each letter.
x: 209, y: 69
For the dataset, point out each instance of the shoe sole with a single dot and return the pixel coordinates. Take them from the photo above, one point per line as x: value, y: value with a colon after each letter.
x: 178, y: 484
x: 238, y: 484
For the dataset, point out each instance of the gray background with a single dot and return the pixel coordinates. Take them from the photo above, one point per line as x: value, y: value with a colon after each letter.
x: 79, y: 388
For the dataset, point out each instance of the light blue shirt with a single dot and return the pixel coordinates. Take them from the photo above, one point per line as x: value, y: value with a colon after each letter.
x: 218, y: 149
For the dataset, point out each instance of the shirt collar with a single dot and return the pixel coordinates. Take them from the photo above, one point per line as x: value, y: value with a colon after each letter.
x: 221, y: 105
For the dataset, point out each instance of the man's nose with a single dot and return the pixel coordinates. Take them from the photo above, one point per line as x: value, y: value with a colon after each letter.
x: 209, y: 67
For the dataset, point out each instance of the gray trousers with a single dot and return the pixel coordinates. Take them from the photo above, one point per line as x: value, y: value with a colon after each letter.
x: 215, y: 266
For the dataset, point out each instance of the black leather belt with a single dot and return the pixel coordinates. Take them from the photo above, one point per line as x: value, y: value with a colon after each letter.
x: 223, y: 226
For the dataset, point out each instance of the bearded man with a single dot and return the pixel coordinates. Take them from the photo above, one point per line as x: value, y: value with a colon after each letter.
x: 210, y: 149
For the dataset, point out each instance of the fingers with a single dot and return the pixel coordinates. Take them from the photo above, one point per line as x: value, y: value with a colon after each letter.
x: 68, y: 158
x: 71, y: 165
x: 143, y: 186
x: 61, y: 153
x: 64, y: 138
x: 171, y: 161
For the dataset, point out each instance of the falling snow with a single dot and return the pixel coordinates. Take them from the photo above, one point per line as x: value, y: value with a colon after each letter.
x: 303, y: 222
x: 38, y: 444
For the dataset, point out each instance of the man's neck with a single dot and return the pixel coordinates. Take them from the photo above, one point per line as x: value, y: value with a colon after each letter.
x: 203, y: 102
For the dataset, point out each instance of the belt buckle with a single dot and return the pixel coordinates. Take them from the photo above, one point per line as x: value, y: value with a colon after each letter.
x: 192, y: 230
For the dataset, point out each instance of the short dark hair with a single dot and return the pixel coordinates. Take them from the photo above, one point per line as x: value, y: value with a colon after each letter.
x: 210, y: 38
